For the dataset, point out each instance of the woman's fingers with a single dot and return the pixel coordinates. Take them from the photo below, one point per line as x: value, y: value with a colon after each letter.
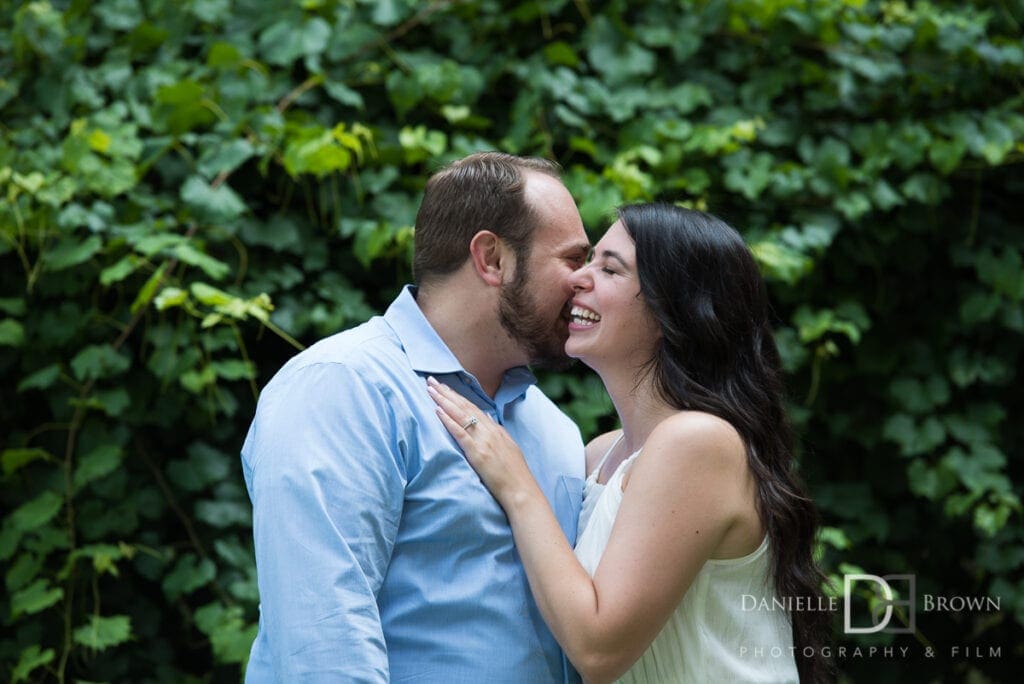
x: 485, y: 444
x: 447, y: 400
x: 458, y: 414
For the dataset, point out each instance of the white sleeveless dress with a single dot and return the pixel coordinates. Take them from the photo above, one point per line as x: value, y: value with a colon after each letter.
x: 715, y: 634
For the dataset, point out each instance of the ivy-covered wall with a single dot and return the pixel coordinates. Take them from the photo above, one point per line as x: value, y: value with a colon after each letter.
x: 191, y: 190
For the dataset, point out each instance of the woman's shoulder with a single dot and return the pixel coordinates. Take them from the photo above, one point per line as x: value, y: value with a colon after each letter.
x: 599, y: 446
x: 706, y: 438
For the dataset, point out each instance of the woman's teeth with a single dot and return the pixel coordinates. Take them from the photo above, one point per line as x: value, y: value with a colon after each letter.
x: 581, y: 316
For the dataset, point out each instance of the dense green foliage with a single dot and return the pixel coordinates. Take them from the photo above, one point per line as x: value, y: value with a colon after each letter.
x: 191, y: 188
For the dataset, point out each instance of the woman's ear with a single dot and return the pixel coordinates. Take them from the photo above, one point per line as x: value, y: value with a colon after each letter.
x: 491, y: 257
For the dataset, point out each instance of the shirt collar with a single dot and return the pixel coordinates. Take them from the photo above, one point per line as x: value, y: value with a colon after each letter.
x: 428, y: 353
x: 426, y: 350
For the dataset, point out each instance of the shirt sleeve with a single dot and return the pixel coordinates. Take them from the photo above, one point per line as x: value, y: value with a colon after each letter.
x: 326, y: 475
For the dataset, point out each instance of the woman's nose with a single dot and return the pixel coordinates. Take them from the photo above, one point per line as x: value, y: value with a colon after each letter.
x: 580, y: 278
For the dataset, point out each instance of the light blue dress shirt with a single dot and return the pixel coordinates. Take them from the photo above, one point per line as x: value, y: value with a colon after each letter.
x: 380, y: 555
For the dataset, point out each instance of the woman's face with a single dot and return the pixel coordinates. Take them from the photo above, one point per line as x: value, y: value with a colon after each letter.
x: 611, y: 325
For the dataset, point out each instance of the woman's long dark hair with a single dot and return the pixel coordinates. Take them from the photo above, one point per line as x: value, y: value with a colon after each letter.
x: 717, y: 354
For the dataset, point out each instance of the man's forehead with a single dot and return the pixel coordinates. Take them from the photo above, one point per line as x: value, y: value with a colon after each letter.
x: 543, y: 190
x: 563, y: 236
x: 560, y: 224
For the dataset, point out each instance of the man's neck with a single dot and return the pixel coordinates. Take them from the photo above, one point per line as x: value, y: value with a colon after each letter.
x: 468, y: 325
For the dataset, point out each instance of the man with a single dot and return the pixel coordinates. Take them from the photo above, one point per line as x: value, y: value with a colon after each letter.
x: 380, y: 555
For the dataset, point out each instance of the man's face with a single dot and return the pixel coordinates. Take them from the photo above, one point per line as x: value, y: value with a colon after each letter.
x: 535, y: 303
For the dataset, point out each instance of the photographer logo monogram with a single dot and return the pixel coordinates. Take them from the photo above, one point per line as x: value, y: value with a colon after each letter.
x: 850, y: 581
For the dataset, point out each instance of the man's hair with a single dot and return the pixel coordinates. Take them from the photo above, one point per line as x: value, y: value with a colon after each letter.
x: 484, y: 191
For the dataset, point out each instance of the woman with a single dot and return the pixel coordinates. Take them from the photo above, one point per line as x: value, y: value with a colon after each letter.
x: 693, y: 520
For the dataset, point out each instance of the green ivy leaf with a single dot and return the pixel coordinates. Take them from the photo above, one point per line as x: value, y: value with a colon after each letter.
x: 780, y: 262
x: 211, y: 11
x: 99, y: 462
x: 916, y: 396
x: 203, y: 467
x: 35, y: 597
x: 195, y: 381
x: 102, y: 632
x: 71, y: 252
x: 945, y: 155
x: 317, y: 151
x: 884, y: 196
x: 226, y: 157
x: 181, y: 107
x: 120, y: 270
x: 148, y: 289
x: 853, y: 205
x: 169, y: 298
x: 189, y: 574
x: 913, y: 438
x: 991, y: 519
x: 748, y: 174
x: 387, y: 12
x: 980, y: 471
x: 978, y: 307
x: 224, y: 56
x: 214, y: 268
x: 220, y: 205
x: 618, y: 60
x: 561, y: 53
x: 221, y: 514
x: 15, y: 459
x: 36, y: 512
x: 210, y: 296
x: 24, y: 570
x: 924, y: 188
x: 12, y: 333
x: 344, y: 94
x: 230, y: 636
x: 120, y: 15
x: 280, y: 233
x: 13, y: 306
x: 40, y: 379
x: 281, y: 42
x: 420, y: 144
x: 29, y: 660
x: 999, y: 140
x: 99, y: 361
x: 932, y: 483
x: 834, y: 537
x: 813, y: 325
x: 234, y: 369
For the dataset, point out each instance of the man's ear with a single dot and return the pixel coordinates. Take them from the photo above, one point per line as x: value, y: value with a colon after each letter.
x: 491, y: 257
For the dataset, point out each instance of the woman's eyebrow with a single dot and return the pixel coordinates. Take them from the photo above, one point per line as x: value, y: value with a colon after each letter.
x: 612, y: 254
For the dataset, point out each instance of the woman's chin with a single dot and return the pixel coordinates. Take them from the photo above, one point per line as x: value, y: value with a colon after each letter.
x: 573, y: 351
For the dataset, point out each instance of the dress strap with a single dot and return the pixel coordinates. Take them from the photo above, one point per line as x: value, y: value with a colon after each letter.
x: 596, y: 472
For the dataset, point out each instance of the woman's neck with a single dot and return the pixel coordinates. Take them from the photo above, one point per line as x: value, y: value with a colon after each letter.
x: 639, y: 406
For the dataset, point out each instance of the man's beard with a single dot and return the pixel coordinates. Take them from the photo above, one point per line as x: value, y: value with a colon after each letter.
x: 542, y: 339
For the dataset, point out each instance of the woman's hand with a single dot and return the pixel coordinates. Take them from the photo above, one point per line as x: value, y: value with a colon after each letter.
x: 486, y: 445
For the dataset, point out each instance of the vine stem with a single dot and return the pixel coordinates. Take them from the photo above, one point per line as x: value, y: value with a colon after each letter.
x: 406, y: 26
x: 283, y: 335
x: 69, y: 448
x: 812, y: 393
x: 310, y: 83
x: 186, y: 522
